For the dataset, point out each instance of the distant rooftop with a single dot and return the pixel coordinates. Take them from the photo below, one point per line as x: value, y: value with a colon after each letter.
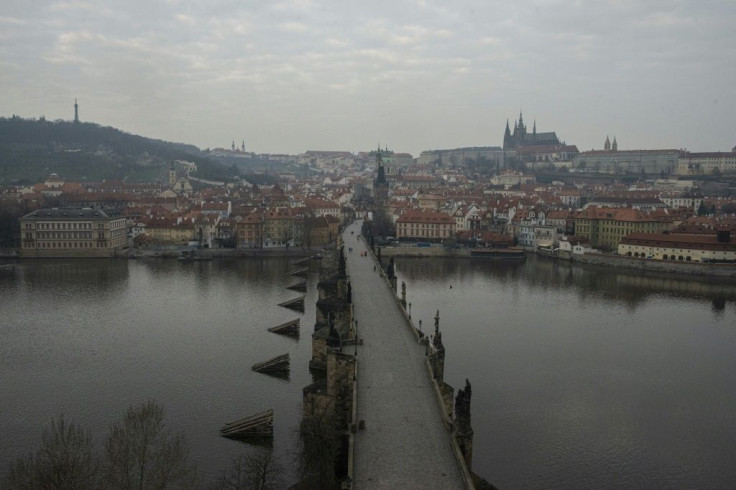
x: 71, y: 213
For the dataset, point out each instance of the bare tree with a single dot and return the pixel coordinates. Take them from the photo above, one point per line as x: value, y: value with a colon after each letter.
x: 64, y: 461
x: 256, y: 471
x: 141, y: 453
x: 320, y: 446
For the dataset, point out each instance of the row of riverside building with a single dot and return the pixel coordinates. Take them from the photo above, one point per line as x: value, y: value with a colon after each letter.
x: 105, y: 220
x: 629, y: 232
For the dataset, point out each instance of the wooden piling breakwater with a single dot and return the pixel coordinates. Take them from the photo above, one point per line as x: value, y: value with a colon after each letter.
x: 278, y: 364
x: 298, y: 285
x: 257, y: 425
x: 302, y: 271
x: 296, y: 304
x: 290, y: 328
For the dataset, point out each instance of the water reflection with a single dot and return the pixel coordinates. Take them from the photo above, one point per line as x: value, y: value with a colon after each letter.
x: 41, y: 276
x: 585, y: 376
x: 626, y: 287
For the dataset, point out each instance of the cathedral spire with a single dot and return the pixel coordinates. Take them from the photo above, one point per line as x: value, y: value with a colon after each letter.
x: 507, y: 136
x: 607, y: 144
x: 614, y: 147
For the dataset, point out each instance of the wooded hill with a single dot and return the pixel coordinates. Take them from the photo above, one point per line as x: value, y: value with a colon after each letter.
x: 31, y: 149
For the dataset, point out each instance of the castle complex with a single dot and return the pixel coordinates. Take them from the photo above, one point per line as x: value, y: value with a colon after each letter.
x: 521, y: 138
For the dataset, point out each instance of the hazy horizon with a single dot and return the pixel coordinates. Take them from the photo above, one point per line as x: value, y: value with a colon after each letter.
x: 418, y: 75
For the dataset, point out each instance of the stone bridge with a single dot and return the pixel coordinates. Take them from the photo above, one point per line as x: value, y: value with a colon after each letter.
x: 408, y: 439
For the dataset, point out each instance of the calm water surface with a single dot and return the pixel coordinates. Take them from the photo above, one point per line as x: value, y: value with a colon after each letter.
x: 88, y: 338
x: 587, y: 377
x: 582, y: 378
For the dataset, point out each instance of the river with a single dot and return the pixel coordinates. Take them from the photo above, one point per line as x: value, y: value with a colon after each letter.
x: 585, y: 377
x: 582, y: 377
x: 89, y: 338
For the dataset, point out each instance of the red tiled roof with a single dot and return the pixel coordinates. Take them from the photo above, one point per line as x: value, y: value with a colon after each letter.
x: 617, y: 214
x: 428, y: 216
x: 679, y: 240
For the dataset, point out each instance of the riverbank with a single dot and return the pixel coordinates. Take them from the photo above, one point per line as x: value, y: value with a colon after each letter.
x: 214, y: 253
x: 651, y: 265
x: 600, y: 260
x: 454, y: 253
x: 200, y: 254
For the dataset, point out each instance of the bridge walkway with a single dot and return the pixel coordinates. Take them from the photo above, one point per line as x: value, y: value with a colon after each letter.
x: 404, y: 443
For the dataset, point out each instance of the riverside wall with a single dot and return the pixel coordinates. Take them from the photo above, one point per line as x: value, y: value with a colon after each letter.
x: 602, y: 260
x: 651, y: 265
x: 455, y: 253
x: 222, y: 252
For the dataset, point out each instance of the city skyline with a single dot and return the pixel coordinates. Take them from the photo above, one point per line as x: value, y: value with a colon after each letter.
x: 299, y: 75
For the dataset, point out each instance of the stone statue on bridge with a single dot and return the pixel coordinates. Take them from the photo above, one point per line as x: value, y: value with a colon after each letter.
x: 463, y: 429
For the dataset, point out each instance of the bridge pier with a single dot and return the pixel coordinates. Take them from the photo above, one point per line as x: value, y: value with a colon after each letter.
x: 329, y: 404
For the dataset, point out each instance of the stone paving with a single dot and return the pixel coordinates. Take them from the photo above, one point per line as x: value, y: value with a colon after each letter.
x: 404, y: 443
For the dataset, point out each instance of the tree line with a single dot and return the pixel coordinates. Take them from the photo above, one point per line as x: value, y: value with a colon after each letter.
x: 139, y: 452
x: 30, y: 149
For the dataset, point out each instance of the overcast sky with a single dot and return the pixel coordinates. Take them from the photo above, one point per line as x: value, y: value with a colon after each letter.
x: 347, y: 75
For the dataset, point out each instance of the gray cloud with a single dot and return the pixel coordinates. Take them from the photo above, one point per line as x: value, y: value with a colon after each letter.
x: 297, y: 75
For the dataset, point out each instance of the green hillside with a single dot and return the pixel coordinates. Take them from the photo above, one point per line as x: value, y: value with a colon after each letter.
x: 31, y: 149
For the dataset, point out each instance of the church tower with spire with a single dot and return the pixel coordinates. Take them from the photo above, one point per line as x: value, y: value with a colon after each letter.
x: 507, y: 136
x: 607, y: 144
x: 380, y: 184
x: 521, y: 129
x: 172, y: 175
x: 614, y: 147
